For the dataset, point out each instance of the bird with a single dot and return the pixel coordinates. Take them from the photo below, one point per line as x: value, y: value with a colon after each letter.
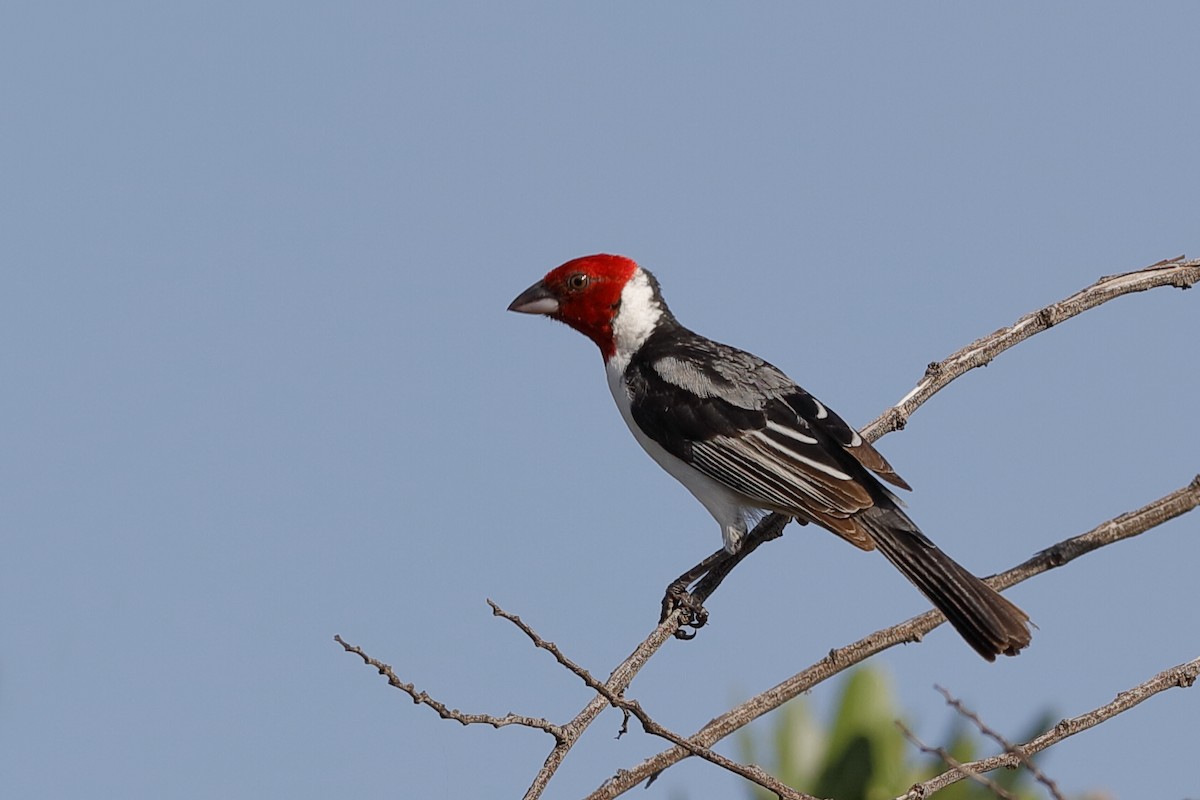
x: 746, y: 440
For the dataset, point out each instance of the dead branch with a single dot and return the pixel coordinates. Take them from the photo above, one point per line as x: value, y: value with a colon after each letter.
x: 423, y: 699
x: 1182, y: 676
x: 995, y: 736
x: 1125, y: 526
x: 1177, y: 272
x: 617, y: 682
x: 955, y: 764
x: 633, y: 707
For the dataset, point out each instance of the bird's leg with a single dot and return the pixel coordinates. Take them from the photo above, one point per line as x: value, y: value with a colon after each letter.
x: 678, y: 596
x: 770, y: 527
x: 710, y: 573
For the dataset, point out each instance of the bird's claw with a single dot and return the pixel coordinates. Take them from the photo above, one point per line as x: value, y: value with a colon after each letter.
x: 695, y: 616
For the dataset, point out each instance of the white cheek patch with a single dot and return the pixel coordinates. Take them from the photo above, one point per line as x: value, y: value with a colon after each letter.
x: 638, y: 315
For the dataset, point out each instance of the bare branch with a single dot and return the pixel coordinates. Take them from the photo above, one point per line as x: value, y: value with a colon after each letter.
x: 1169, y: 272
x: 1123, y: 527
x: 423, y: 699
x: 954, y: 763
x: 995, y: 736
x: 749, y: 772
x: 617, y: 682
x: 1182, y: 676
x: 1129, y: 524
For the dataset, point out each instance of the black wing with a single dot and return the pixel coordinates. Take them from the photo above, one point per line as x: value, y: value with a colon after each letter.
x: 741, y: 421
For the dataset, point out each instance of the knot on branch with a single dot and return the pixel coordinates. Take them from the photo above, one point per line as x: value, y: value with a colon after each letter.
x: 1054, y: 556
x: 896, y: 419
x: 1050, y: 315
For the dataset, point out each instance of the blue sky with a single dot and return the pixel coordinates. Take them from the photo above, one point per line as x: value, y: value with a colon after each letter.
x: 260, y: 386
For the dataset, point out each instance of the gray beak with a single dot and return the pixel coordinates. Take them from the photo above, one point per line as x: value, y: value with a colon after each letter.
x: 537, y: 299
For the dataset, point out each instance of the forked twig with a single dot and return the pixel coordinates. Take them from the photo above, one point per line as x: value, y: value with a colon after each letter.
x: 1008, y: 746
x: 955, y: 764
x: 633, y: 707
x: 1182, y: 676
x: 423, y: 699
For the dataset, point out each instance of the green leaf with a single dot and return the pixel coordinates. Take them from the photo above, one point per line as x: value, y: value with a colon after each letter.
x: 861, y: 754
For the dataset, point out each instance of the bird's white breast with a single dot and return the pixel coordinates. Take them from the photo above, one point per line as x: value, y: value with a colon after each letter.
x: 725, y: 505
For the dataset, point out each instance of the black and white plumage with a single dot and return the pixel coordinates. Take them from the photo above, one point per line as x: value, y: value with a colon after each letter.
x: 745, y: 439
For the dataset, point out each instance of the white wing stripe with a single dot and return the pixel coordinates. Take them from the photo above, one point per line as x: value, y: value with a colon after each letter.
x: 748, y: 469
x: 791, y: 433
x: 784, y: 474
x: 790, y: 453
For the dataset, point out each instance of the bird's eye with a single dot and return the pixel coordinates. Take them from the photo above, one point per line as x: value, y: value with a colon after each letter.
x: 577, y: 281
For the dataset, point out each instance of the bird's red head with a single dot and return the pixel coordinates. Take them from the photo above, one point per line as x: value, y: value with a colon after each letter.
x: 585, y: 293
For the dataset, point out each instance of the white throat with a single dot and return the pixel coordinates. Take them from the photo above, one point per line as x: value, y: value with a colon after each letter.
x: 636, y: 318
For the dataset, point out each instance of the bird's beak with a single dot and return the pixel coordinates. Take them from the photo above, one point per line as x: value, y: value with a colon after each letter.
x: 537, y: 299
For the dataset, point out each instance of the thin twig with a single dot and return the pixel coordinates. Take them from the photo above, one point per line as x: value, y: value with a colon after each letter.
x: 1182, y: 676
x: 423, y: 699
x: 1008, y: 746
x: 1177, y: 272
x: 617, y: 682
x: 1125, y: 526
x: 749, y: 772
x: 954, y: 763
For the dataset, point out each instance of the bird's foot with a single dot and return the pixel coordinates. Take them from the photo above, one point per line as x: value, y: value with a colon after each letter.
x: 695, y: 617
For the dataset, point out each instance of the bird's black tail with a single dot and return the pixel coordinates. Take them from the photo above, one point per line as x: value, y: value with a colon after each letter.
x: 990, y: 624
